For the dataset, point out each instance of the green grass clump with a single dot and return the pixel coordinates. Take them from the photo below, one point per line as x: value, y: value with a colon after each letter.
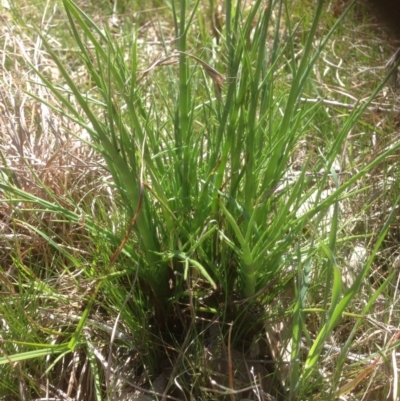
x: 195, y: 204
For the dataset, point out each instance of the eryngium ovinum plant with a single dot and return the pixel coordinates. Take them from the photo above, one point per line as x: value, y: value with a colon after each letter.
x: 202, y: 150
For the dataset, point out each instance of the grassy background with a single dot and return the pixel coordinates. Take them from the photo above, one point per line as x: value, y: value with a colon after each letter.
x: 167, y: 214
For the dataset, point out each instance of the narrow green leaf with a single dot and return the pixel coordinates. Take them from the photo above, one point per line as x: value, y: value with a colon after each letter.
x: 40, y: 353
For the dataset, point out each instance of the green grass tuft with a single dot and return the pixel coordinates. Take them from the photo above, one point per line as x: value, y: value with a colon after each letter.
x: 198, y: 201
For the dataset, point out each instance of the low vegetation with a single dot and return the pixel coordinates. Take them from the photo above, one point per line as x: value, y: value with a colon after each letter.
x: 199, y: 201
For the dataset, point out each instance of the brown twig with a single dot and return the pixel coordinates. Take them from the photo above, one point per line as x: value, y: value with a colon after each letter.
x: 130, y: 228
x: 230, y: 365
